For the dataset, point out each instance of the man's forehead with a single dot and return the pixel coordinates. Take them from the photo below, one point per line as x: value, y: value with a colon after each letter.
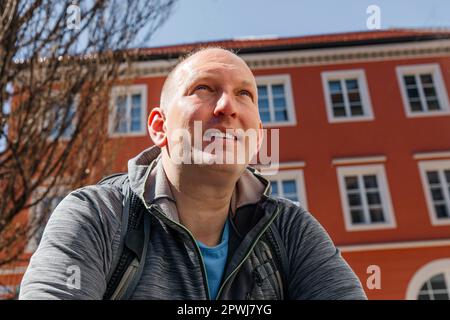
x: 212, y: 64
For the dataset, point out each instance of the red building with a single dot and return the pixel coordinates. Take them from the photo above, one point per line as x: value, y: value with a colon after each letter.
x: 364, y: 123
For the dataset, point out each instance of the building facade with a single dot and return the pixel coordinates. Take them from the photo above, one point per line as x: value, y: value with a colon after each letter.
x: 364, y: 123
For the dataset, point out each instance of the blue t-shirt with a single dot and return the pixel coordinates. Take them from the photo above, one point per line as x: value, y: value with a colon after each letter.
x: 215, y: 259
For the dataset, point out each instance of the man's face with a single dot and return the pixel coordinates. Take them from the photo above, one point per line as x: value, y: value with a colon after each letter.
x: 215, y: 90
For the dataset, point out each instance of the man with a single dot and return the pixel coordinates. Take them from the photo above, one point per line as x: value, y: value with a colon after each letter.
x: 210, y: 218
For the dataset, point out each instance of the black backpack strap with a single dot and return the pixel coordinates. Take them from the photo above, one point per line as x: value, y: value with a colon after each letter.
x: 278, y: 256
x: 129, y: 262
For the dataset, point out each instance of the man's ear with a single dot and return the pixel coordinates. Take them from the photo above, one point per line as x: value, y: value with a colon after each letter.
x: 260, y: 136
x: 156, y: 127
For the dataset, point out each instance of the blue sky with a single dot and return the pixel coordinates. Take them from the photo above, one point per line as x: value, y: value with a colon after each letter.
x: 203, y: 20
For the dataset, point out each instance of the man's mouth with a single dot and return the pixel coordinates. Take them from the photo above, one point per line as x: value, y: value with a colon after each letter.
x: 213, y: 135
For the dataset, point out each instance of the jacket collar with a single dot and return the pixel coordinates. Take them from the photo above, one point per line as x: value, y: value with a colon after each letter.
x: 149, y: 181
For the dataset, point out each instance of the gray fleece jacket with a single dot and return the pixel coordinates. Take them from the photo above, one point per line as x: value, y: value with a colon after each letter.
x: 81, y: 241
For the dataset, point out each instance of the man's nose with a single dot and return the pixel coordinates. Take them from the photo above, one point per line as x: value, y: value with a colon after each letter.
x: 226, y: 106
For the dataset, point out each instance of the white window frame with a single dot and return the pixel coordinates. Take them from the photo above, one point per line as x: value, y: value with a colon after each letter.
x: 128, y: 90
x: 433, y: 165
x: 33, y: 242
x: 439, y: 84
x: 285, y: 80
x: 383, y: 187
x: 296, y: 175
x: 364, y: 94
x: 425, y: 273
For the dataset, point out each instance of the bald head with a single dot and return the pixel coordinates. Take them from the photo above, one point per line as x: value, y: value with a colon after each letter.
x: 194, y: 60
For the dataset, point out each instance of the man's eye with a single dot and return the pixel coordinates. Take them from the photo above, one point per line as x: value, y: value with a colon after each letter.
x: 245, y: 93
x: 202, y: 87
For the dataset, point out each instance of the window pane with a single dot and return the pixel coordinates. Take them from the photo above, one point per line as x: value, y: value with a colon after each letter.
x: 373, y: 198
x: 354, y: 97
x: 376, y: 215
x: 136, y: 101
x: 433, y: 105
x: 121, y: 124
x: 278, y: 90
x: 279, y: 103
x: 136, y: 113
x: 440, y: 296
x: 438, y: 282
x: 436, y: 194
x: 265, y: 116
x: 274, y: 186
x: 262, y: 91
x: 351, y: 182
x: 356, y: 110
x: 433, y: 177
x: 409, y: 80
x: 413, y: 93
x: 263, y: 103
x: 337, y: 98
x: 135, y: 126
x: 416, y: 106
x: 441, y: 210
x: 429, y: 92
x: 354, y: 199
x: 352, y: 84
x: 357, y: 216
x: 426, y: 78
x: 424, y: 287
x: 334, y: 86
x: 289, y: 186
x: 281, y: 115
x: 370, y: 181
x: 339, y: 111
x: 447, y: 175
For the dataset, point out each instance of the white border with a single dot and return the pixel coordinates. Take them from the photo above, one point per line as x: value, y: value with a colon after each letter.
x: 284, y: 79
x: 383, y: 187
x: 359, y: 74
x: 439, y: 84
x: 128, y: 89
x: 296, y: 175
x: 431, y: 155
x: 425, y: 273
x: 395, y: 245
x: 432, y: 165
x: 339, y: 161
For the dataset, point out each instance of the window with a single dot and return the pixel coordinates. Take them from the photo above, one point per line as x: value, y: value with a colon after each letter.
x: 289, y: 184
x: 431, y: 282
x: 39, y: 217
x: 435, y: 176
x: 365, y: 197
x: 129, y: 108
x: 346, y: 96
x: 436, y: 288
x: 65, y: 119
x: 275, y: 100
x: 423, y: 91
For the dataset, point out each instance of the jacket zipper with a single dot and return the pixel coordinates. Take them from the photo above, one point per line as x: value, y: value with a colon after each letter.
x: 203, y: 268
x: 248, y: 253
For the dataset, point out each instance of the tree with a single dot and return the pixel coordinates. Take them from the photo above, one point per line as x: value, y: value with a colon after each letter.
x: 58, y: 61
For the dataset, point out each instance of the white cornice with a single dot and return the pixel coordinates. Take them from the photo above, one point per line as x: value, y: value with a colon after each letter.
x: 431, y: 155
x: 366, y: 53
x: 357, y: 160
x: 395, y: 245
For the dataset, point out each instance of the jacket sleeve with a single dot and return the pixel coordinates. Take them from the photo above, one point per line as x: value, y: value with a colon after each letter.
x: 75, y: 254
x: 317, y: 270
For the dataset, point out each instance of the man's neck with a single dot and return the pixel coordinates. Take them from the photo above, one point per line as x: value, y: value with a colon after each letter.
x: 203, y: 198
